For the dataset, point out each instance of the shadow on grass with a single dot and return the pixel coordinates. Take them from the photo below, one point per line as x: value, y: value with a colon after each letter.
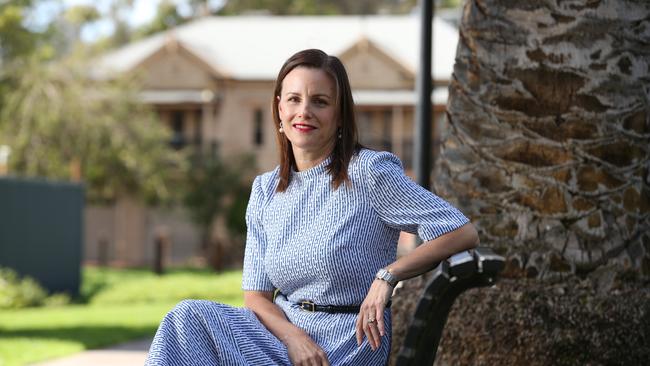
x: 90, y: 337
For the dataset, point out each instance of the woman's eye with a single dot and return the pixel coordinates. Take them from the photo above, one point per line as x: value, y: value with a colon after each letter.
x: 321, y: 102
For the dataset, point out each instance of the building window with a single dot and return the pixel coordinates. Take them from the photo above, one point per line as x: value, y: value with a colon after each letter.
x: 407, y: 153
x: 178, y: 140
x: 386, y: 133
x: 375, y: 129
x: 364, y: 125
x: 258, y: 127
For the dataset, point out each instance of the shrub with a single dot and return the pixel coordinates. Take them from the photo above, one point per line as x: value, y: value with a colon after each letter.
x: 20, y: 293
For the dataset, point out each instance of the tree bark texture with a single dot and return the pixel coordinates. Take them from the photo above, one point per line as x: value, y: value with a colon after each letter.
x: 548, y: 148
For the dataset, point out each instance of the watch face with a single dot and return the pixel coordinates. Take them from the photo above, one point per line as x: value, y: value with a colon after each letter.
x: 383, y: 274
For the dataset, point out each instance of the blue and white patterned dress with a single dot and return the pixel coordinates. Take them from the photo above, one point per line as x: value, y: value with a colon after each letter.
x: 313, y: 243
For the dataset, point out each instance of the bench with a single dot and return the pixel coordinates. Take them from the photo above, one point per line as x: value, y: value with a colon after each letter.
x: 474, y: 268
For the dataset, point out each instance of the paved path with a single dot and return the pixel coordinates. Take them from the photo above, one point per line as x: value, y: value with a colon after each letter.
x: 126, y: 354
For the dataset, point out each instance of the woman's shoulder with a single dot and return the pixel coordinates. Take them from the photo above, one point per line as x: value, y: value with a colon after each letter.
x: 266, y: 183
x: 367, y: 161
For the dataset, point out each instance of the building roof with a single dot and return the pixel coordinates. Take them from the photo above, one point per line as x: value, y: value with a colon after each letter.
x: 255, y: 47
x: 397, y: 97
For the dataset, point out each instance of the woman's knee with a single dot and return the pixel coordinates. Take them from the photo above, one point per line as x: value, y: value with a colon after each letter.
x: 188, y: 311
x: 189, y: 306
x: 200, y: 309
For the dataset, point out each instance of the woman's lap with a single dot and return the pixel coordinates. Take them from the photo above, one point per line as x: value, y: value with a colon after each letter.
x: 200, y: 332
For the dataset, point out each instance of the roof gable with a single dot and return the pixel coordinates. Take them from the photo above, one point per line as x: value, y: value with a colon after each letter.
x: 369, y: 67
x: 175, y: 66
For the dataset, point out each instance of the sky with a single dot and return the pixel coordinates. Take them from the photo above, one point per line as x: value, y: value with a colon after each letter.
x: 143, y: 11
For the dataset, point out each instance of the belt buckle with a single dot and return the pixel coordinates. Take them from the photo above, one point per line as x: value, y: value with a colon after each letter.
x: 308, y: 306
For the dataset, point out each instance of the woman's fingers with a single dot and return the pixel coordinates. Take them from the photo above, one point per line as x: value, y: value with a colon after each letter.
x: 374, y: 332
x: 323, y: 361
x: 359, y: 329
x: 371, y: 329
x: 319, y: 358
x: 303, y: 351
x: 368, y: 333
x: 380, y: 320
x: 363, y: 326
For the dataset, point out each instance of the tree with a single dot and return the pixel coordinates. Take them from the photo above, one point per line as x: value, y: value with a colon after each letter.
x: 167, y: 17
x: 549, y: 146
x: 59, y: 122
x: 118, y: 14
x: 214, y: 189
x: 79, y: 15
x: 548, y: 152
x: 17, y: 41
x: 316, y: 7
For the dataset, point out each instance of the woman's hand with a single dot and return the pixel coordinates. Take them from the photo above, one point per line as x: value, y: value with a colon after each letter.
x: 371, y: 316
x: 303, y: 351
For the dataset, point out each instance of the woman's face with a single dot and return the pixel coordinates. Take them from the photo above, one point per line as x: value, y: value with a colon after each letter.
x: 307, y: 108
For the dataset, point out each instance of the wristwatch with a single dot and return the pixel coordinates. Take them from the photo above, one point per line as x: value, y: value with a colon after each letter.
x: 384, y: 275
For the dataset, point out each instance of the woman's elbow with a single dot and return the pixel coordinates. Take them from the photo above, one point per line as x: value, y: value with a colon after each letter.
x: 472, y: 239
x: 248, y: 300
x: 253, y: 298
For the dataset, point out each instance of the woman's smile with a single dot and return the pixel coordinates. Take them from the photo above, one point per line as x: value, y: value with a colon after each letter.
x: 303, y: 127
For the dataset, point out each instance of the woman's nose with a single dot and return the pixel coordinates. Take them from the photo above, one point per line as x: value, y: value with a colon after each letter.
x: 305, y: 110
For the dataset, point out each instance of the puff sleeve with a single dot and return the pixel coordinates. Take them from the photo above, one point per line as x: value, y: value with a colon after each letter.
x: 254, y: 274
x: 404, y: 205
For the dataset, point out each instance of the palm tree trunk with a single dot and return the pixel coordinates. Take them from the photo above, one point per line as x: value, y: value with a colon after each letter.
x: 549, y: 143
x: 548, y: 148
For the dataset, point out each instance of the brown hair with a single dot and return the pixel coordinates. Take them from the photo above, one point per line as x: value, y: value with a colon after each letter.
x: 348, y: 144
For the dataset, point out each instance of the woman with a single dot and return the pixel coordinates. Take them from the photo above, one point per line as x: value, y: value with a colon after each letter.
x: 322, y: 231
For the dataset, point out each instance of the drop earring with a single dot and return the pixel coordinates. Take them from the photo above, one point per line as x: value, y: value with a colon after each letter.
x: 281, y: 130
x: 340, y: 133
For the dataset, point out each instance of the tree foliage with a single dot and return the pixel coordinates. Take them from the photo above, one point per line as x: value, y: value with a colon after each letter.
x: 316, y: 7
x: 16, y: 40
x: 215, y: 188
x: 58, y: 120
x: 167, y: 16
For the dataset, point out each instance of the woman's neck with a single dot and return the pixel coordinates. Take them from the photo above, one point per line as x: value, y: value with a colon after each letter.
x: 307, y: 159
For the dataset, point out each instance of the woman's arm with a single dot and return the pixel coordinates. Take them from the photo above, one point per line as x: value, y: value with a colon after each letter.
x: 261, y: 303
x: 421, y: 259
x: 430, y: 253
x: 302, y: 349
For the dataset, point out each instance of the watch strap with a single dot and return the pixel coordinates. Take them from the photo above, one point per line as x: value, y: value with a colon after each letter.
x: 384, y: 275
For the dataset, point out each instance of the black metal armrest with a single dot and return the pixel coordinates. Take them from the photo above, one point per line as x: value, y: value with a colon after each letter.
x: 474, y: 268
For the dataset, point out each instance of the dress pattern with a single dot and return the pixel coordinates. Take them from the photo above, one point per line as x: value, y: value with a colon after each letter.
x: 312, y: 243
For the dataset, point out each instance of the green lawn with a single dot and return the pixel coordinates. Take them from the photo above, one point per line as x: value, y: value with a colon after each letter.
x: 122, y: 305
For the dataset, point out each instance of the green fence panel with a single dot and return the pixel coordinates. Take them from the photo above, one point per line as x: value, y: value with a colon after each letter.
x: 41, y: 225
